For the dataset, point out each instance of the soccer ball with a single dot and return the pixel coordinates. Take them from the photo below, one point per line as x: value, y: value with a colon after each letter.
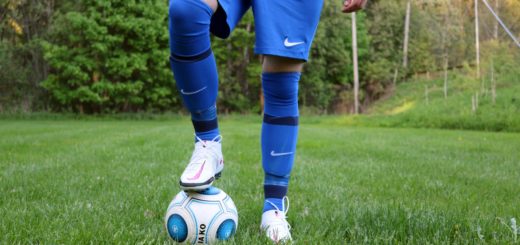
x: 201, y: 217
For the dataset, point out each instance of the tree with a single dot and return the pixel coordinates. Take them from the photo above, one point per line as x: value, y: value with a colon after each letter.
x: 385, y: 26
x: 23, y: 25
x: 407, y: 33
x: 239, y: 70
x: 327, y: 81
x: 355, y: 63
x: 111, y: 56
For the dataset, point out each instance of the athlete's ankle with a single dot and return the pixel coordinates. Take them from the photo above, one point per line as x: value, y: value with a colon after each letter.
x: 212, y: 135
x: 273, y: 204
x: 274, y: 196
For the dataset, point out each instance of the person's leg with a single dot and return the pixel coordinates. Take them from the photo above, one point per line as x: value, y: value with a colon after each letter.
x: 280, y: 126
x: 213, y: 4
x: 278, y: 64
x: 279, y: 136
x: 284, y: 34
x: 193, y: 63
x: 195, y: 71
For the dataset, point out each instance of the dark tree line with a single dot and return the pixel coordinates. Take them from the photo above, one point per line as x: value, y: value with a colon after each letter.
x: 99, y: 56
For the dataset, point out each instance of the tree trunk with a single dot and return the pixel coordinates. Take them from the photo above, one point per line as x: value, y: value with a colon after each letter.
x: 473, y: 106
x: 355, y: 63
x: 426, y: 95
x: 476, y: 100
x: 477, y: 41
x: 242, y: 69
x: 396, y: 73
x: 406, y: 33
x: 495, y: 27
x: 446, y: 77
x: 493, y: 85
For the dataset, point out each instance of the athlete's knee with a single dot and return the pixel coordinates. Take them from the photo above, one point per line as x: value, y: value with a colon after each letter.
x: 213, y: 4
x: 189, y: 27
x: 187, y: 14
x: 179, y: 12
x: 281, y: 92
x: 281, y: 64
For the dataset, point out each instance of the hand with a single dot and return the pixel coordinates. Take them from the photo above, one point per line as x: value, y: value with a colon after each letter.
x: 350, y: 6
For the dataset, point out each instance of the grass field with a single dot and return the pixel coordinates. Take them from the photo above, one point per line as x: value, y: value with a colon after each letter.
x: 408, y: 106
x: 76, y: 182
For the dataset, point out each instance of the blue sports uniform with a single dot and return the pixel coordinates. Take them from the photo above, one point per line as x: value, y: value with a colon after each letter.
x: 283, y: 27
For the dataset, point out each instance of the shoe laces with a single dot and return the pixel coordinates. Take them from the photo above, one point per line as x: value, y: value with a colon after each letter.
x: 285, y: 209
x: 204, y: 150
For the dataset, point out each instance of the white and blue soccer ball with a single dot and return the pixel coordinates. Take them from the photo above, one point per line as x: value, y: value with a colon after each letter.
x: 201, y: 217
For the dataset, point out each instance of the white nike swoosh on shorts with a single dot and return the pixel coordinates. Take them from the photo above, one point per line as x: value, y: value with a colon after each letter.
x: 291, y: 44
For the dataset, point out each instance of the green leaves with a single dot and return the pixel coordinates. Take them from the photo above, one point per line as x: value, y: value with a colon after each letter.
x: 115, y: 53
x: 111, y: 56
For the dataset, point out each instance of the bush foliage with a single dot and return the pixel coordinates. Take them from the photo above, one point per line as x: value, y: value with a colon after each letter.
x: 99, y: 56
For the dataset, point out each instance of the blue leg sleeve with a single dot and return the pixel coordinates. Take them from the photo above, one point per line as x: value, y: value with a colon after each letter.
x: 193, y: 63
x: 279, y: 134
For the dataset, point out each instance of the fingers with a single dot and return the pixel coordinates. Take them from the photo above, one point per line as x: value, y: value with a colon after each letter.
x: 350, y: 6
x: 356, y: 5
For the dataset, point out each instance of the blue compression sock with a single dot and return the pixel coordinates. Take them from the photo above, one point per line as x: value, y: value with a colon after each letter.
x: 193, y: 64
x: 279, y: 134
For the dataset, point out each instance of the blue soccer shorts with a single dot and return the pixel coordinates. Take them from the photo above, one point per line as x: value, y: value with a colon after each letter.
x: 283, y: 27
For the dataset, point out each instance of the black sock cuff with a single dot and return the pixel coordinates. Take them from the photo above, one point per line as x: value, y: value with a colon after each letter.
x: 288, y: 121
x: 275, y: 191
x: 193, y: 58
x: 205, y: 126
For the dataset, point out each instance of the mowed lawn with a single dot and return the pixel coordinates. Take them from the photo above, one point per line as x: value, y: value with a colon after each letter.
x: 76, y: 182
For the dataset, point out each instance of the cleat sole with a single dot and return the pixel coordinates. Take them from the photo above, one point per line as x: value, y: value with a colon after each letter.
x: 218, y: 175
x: 200, y: 186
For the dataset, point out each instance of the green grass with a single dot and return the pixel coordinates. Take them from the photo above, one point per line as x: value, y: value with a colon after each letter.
x: 76, y: 182
x: 408, y: 107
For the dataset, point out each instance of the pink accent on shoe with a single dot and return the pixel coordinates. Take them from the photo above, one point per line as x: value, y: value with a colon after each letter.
x: 197, y: 175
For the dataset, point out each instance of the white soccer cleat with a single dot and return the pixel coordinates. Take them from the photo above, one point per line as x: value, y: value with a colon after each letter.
x: 275, y: 225
x: 206, y: 165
